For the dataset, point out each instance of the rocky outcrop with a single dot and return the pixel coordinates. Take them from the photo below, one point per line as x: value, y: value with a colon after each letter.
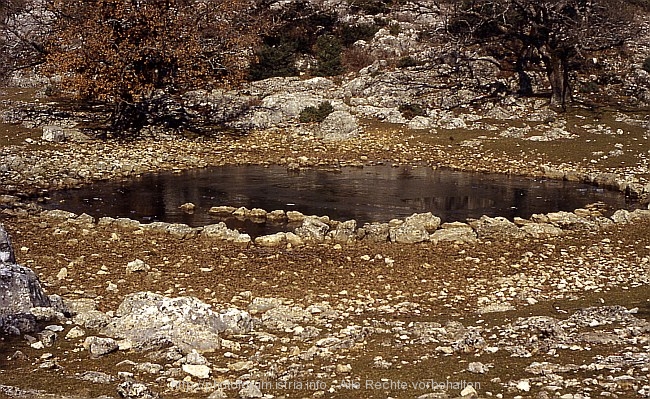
x: 344, y: 232
x: 339, y: 125
x: 6, y: 249
x: 20, y: 292
x: 151, y: 320
x: 375, y: 232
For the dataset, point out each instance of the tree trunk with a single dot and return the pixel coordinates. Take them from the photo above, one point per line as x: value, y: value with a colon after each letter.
x: 558, y: 76
x: 525, y: 82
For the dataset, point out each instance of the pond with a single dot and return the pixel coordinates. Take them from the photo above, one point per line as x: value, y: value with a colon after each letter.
x: 376, y: 193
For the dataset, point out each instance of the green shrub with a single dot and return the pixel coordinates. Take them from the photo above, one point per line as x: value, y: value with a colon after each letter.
x: 646, y: 65
x: 411, y: 110
x: 313, y: 114
x: 349, y: 34
x: 273, y: 61
x: 328, y: 51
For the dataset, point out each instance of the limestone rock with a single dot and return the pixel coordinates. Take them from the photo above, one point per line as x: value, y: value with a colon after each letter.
x: 271, y: 240
x: 261, y: 305
x: 149, y: 319
x: 197, y: 370
x: 408, y: 234
x: 135, y: 390
x: 625, y: 216
x: 137, y: 266
x: 181, y: 231
x: 344, y: 232
x: 188, y: 207
x: 416, y: 228
x: 53, y: 134
x: 222, y: 210
x: 424, y: 221
x: 98, y: 346
x: 496, y: 228
x: 421, y: 123
x: 6, y: 249
x: 463, y: 234
x: 541, y: 230
x: 220, y: 231
x: 375, y: 232
x: 312, y: 229
x: 339, y: 125
x: 295, y: 216
x: 250, y: 391
x: 20, y: 291
x: 568, y: 220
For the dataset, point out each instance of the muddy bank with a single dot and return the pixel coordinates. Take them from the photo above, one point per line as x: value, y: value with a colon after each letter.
x: 39, y: 166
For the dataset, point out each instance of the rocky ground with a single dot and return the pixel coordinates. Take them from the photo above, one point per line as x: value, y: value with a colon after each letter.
x: 561, y: 316
x: 522, y: 312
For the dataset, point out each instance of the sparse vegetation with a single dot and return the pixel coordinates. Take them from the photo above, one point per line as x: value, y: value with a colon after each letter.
x: 354, y: 59
x: 274, y: 60
x: 316, y: 114
x: 350, y: 34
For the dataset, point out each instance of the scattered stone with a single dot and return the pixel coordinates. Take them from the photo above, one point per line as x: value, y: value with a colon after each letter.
x: 135, y: 390
x: 188, y: 207
x: 53, y: 134
x: 523, y: 385
x: 495, y: 308
x: 100, y: 346
x: 95, y: 377
x: 250, y: 390
x: 469, y: 392
x: 137, y: 266
x: 197, y: 370
x: 477, y: 368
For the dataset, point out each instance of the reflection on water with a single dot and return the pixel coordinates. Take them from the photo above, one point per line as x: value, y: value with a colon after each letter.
x: 366, y: 194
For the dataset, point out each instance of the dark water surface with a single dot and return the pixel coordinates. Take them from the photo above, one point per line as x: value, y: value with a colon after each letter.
x: 377, y: 193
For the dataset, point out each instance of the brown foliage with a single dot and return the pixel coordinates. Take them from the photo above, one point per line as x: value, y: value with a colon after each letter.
x: 123, y: 51
x: 355, y: 59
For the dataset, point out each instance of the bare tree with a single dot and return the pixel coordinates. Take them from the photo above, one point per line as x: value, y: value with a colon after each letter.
x: 24, y: 26
x: 551, y: 34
